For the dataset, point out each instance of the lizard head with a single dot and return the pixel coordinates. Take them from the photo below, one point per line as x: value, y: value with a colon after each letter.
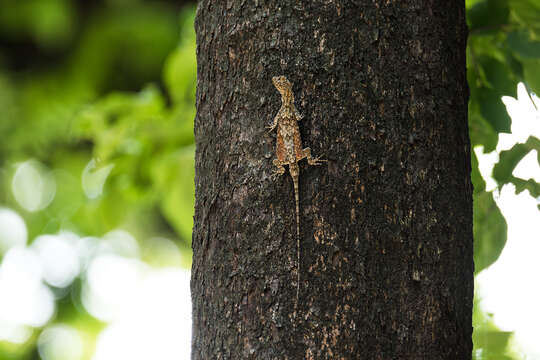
x: 282, y: 84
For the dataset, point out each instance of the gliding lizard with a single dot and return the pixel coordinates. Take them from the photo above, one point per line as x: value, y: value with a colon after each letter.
x: 289, y: 150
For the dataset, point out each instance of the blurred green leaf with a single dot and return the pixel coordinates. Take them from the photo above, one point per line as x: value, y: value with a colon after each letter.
x: 531, y: 73
x: 531, y: 185
x: 111, y: 49
x: 478, y: 182
x: 490, y: 342
x: 488, y: 14
x: 521, y: 43
x: 526, y: 12
x: 8, y: 121
x: 498, y: 74
x: 514, y: 64
x: 180, y: 72
x: 50, y: 23
x: 494, y: 344
x: 175, y: 174
x: 481, y: 132
x: 493, y: 109
x: 115, y: 122
x: 509, y: 159
x: 502, y: 172
x: 470, y: 3
x: 489, y: 230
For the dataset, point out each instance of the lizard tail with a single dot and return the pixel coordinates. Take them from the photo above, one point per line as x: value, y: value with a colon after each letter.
x: 297, y: 199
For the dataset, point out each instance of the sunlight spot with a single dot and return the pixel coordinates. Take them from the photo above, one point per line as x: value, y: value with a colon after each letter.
x: 12, y: 230
x: 525, y: 121
x: 506, y: 141
x: 87, y: 248
x: 16, y: 334
x: 120, y: 242
x: 59, y: 259
x: 111, y: 283
x: 528, y: 167
x: 507, y: 288
x: 33, y: 185
x: 486, y: 162
x: 60, y: 342
x: 93, y: 178
x: 25, y: 300
x: 155, y: 325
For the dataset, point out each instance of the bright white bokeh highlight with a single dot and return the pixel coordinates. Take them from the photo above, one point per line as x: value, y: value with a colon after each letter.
x: 148, y: 309
x: 155, y: 324
x: 120, y: 242
x: 12, y: 230
x: 59, y: 258
x: 33, y: 185
x: 60, y: 342
x: 528, y: 167
x: 14, y: 333
x: 25, y: 301
x: 93, y: 178
x: 87, y: 249
x: 111, y: 283
x: 508, y: 289
x: 524, y: 114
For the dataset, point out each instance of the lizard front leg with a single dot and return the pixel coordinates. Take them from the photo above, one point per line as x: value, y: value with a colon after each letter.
x: 274, y: 124
x: 306, y: 153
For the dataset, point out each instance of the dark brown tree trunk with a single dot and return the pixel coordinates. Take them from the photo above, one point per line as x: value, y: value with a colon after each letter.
x: 386, y: 225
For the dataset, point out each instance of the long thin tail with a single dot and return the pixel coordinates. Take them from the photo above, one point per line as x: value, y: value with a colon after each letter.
x: 296, y: 197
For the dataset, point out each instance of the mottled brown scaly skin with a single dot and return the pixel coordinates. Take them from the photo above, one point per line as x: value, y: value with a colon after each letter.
x: 289, y: 150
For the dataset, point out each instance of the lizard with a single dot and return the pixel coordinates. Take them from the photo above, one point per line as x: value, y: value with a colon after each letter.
x: 289, y: 151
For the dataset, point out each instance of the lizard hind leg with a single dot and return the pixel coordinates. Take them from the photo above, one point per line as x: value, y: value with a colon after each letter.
x: 280, y: 170
x: 306, y: 153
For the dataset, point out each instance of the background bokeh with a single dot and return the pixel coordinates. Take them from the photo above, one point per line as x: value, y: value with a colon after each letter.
x: 97, y: 101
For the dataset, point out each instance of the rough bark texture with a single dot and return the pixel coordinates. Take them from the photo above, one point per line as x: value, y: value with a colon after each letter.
x: 386, y: 224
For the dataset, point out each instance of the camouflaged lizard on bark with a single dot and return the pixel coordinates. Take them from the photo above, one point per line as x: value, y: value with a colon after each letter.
x: 289, y: 150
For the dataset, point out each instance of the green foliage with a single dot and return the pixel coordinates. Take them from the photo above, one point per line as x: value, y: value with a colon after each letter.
x: 489, y: 230
x: 489, y: 341
x: 60, y: 118
x: 49, y: 23
x: 488, y: 223
x: 107, y: 113
x: 509, y: 159
x: 504, y: 48
x: 522, y: 45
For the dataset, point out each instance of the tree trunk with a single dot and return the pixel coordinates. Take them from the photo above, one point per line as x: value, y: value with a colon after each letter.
x: 385, y: 225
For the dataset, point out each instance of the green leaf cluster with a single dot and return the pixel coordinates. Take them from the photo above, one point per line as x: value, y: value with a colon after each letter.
x: 122, y: 95
x: 107, y: 113
x: 503, y: 49
x: 489, y: 341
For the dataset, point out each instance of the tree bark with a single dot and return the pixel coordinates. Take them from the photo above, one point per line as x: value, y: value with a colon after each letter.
x: 386, y: 225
